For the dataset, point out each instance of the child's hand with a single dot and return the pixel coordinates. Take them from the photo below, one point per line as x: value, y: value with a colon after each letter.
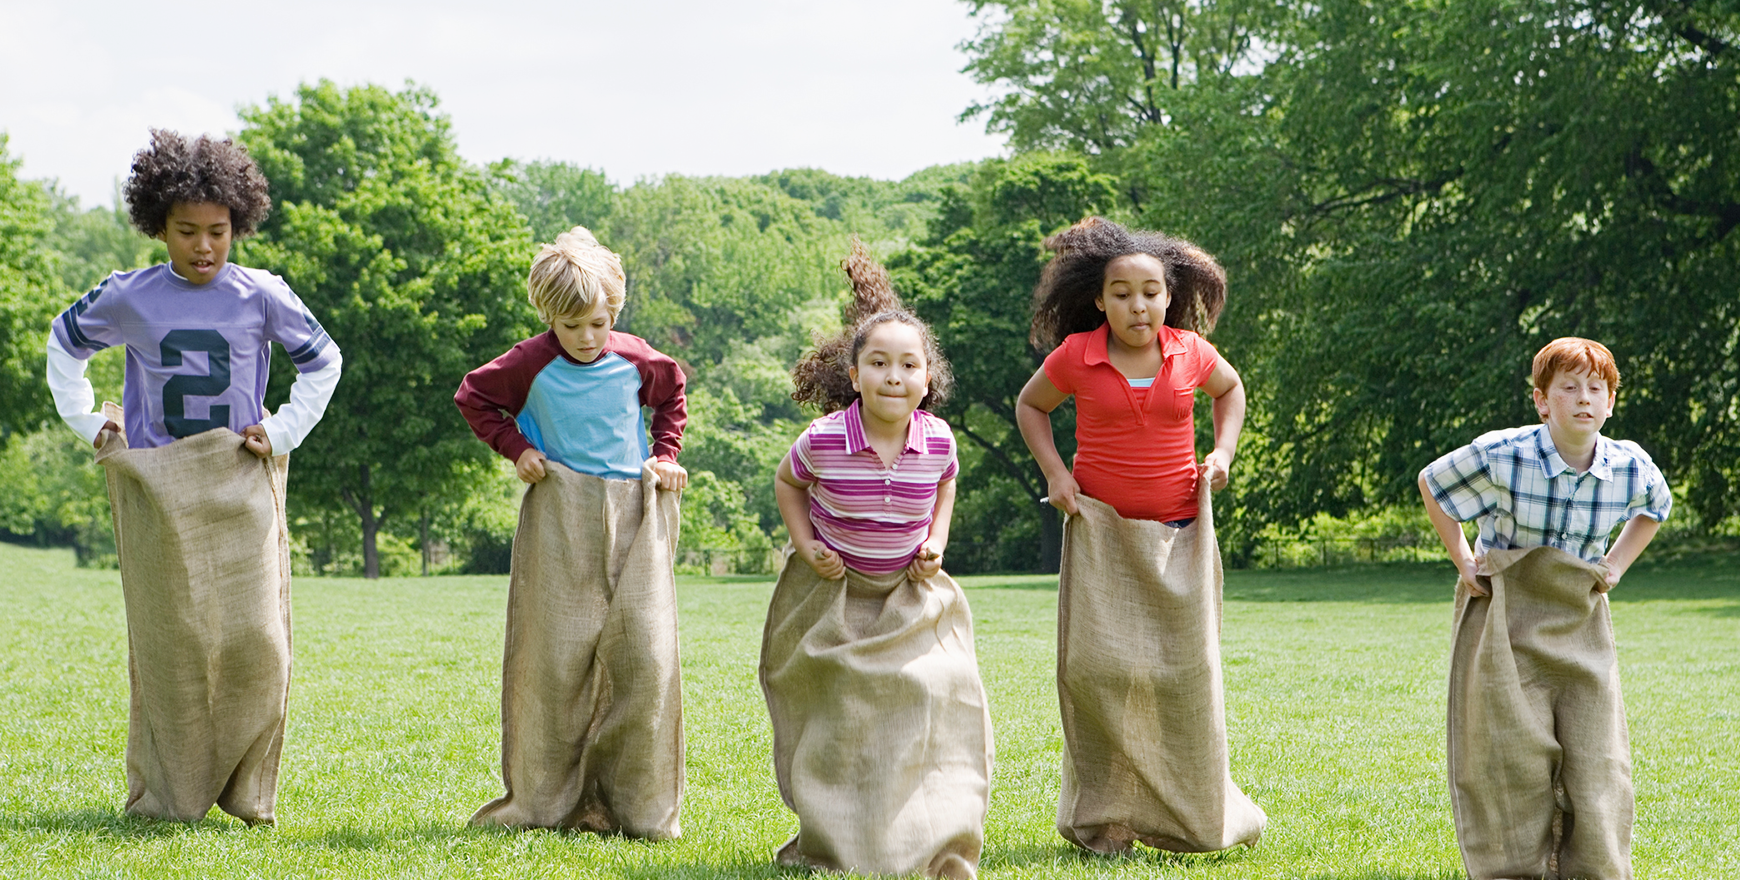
x: 825, y: 561
x: 530, y: 467
x: 1610, y: 578
x: 1215, y: 467
x: 672, y: 477
x: 926, y: 562
x: 254, y: 437
x: 1061, y: 492
x: 1470, y: 574
x: 107, y: 426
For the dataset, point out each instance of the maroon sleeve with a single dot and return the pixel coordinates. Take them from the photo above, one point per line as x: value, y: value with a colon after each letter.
x: 661, y: 389
x: 493, y: 394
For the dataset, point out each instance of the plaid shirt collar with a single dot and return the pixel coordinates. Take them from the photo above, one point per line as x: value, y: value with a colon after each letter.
x: 1552, y: 464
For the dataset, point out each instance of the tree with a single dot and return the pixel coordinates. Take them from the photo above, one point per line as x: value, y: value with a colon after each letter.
x: 1411, y: 198
x: 554, y: 196
x: 413, y: 266
x: 31, y: 293
x: 972, y: 280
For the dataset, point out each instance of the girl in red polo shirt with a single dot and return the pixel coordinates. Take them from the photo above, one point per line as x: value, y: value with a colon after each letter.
x: 1145, y: 758
x: 881, y: 731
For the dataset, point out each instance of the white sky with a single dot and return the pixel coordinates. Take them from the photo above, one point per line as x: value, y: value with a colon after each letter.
x: 733, y: 87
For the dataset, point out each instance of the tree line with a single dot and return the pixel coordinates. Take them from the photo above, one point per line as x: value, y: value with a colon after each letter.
x: 1409, y: 197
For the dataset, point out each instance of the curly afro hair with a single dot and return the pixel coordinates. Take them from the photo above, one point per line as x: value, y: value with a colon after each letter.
x: 822, y: 378
x: 1063, y: 302
x: 176, y: 169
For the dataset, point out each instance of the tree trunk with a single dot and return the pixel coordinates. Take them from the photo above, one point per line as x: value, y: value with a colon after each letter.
x: 1050, y: 539
x: 364, y: 504
x: 423, y: 536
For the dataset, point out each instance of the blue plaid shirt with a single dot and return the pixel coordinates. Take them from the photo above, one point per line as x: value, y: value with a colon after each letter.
x: 1525, y: 495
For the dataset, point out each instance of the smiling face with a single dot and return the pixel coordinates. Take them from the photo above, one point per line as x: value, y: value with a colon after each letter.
x: 891, y: 374
x: 198, y: 236
x: 583, y: 336
x: 1134, y: 298
x: 1575, y: 405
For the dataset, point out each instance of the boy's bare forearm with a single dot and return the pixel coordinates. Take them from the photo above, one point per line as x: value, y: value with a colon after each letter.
x: 1638, y: 532
x: 1449, y: 532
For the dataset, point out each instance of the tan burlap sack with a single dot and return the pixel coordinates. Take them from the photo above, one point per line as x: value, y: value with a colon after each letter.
x: 881, y: 732
x: 205, y: 572
x: 1139, y: 679
x: 1540, y: 762
x: 591, y: 695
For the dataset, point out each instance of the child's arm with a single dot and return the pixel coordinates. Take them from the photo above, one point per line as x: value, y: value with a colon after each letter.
x: 1638, y: 532
x: 1455, y: 542
x: 309, y: 395
x: 793, y: 496
x: 661, y: 388
x: 1033, y: 414
x: 1228, y: 391
x: 74, y: 398
x: 928, y: 561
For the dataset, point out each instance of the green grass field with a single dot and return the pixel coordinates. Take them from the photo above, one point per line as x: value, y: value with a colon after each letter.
x: 1335, y: 708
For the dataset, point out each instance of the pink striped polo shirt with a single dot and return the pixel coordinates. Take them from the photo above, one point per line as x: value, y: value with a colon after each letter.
x: 873, y: 516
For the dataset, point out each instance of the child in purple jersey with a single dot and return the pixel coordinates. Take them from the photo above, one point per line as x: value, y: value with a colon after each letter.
x: 197, y: 329
x: 882, y: 738
x: 200, y: 527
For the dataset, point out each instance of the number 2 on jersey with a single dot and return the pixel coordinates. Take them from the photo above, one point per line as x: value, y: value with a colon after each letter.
x: 216, y: 381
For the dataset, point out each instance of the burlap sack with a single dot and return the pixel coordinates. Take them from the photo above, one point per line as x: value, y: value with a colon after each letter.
x: 205, y: 572
x: 1139, y: 680
x: 591, y: 694
x: 1540, y: 762
x: 881, y: 732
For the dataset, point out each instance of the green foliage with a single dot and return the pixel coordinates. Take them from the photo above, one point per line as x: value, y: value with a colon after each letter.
x: 1412, y: 197
x: 554, y: 197
x: 93, y: 243
x: 413, y: 266
x: 714, y: 519
x: 53, y: 492
x: 31, y: 293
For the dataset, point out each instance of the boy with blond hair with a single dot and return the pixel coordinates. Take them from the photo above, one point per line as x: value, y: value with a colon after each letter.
x: 591, y: 689
x: 1539, y: 760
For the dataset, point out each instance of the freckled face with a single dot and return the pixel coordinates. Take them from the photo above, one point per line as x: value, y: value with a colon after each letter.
x: 1575, y: 405
x: 583, y: 336
x: 891, y: 374
x: 198, y: 237
x: 1134, y: 298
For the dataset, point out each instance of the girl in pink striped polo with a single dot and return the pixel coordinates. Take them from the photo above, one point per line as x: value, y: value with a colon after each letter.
x: 882, y: 739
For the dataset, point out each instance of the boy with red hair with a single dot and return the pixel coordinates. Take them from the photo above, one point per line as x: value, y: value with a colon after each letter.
x: 1540, y: 765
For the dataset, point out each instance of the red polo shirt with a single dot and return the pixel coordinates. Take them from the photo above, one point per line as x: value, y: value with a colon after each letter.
x: 1135, y: 447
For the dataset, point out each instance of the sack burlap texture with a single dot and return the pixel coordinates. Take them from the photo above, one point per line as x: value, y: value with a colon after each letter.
x: 1139, y: 680
x: 881, y: 732
x: 1539, y: 759
x: 592, y: 700
x: 205, y: 573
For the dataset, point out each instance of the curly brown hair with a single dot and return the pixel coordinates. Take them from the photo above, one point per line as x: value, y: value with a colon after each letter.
x: 204, y: 169
x: 1063, y: 301
x: 822, y: 378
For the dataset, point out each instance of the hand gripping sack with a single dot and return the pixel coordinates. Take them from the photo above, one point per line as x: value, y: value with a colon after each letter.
x: 592, y: 698
x: 1539, y: 759
x: 205, y: 572
x: 881, y: 731
x: 1139, y: 679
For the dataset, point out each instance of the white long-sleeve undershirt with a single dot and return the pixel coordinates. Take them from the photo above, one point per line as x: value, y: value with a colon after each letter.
x: 75, y: 400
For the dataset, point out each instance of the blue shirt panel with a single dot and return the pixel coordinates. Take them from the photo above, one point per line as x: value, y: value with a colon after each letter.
x: 587, y: 416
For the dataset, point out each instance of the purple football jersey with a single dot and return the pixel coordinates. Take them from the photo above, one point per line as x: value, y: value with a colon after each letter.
x: 196, y: 354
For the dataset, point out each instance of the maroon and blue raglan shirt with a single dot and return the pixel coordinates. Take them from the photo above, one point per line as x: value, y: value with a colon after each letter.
x: 586, y: 416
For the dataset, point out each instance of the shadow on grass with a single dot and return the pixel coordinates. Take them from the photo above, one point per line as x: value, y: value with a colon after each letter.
x: 111, y: 823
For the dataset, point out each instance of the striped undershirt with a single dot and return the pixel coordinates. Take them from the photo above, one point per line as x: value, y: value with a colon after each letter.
x: 873, y: 516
